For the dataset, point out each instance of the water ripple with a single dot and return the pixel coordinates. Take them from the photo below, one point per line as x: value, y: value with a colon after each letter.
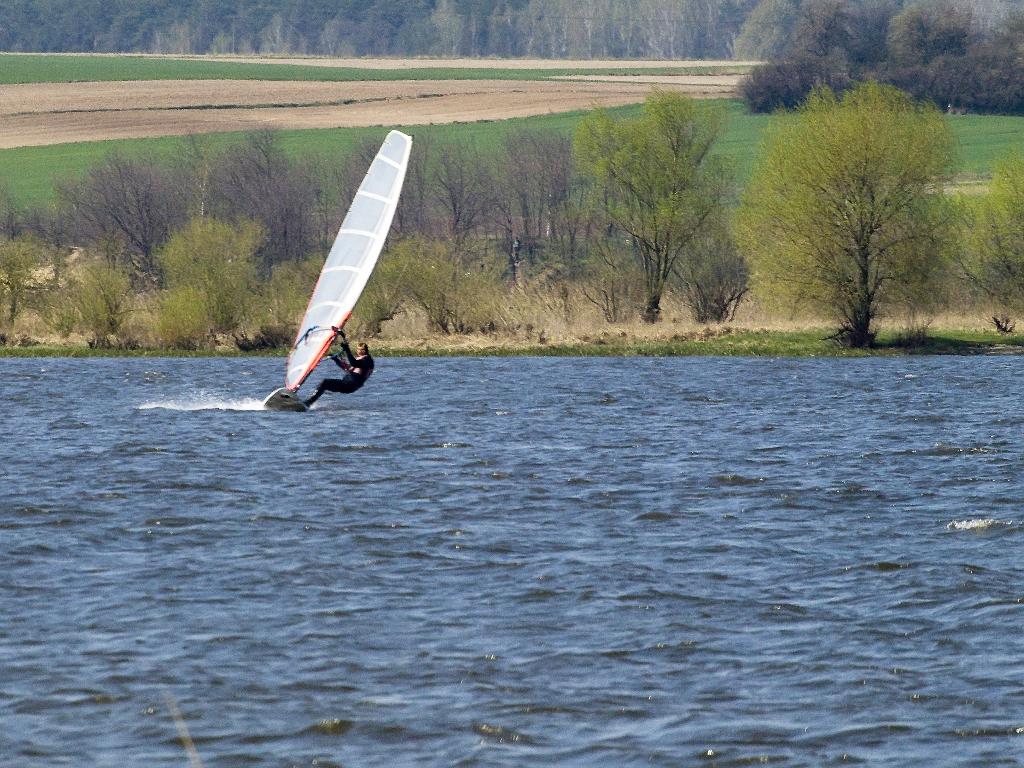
x: 558, y: 562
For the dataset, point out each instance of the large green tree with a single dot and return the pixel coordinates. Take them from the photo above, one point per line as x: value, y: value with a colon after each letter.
x: 655, y: 179
x: 995, y: 260
x: 846, y: 210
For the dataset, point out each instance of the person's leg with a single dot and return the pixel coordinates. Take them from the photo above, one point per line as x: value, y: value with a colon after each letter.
x: 324, y: 386
x: 331, y: 385
x: 315, y: 396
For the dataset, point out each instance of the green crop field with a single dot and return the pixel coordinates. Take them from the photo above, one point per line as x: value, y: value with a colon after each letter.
x: 42, y: 68
x: 984, y: 139
x: 29, y: 174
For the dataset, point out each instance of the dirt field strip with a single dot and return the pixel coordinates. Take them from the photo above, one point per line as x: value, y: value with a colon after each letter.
x: 163, y: 94
x: 701, y: 83
x: 57, y: 113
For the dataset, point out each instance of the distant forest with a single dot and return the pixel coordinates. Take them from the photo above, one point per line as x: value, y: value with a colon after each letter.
x: 938, y: 51
x: 645, y: 29
x: 509, y: 28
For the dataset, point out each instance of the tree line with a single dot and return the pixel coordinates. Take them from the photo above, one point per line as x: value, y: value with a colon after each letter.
x: 952, y: 54
x: 846, y: 217
x: 544, y: 28
x: 926, y: 46
x: 646, y: 29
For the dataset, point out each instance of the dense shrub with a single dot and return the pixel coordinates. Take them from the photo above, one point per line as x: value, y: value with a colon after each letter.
x: 922, y: 33
x: 385, y: 295
x: 19, y: 260
x: 182, y: 321
x: 267, y: 337
x: 457, y: 293
x: 285, y: 296
x: 101, y: 295
x: 785, y: 84
x: 995, y: 73
x: 713, y: 277
x: 215, y: 262
x: 767, y: 31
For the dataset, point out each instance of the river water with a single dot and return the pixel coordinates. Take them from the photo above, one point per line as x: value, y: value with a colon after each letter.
x: 496, y: 562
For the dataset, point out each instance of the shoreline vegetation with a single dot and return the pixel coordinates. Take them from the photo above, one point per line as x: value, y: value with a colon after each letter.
x: 733, y: 340
x: 654, y: 229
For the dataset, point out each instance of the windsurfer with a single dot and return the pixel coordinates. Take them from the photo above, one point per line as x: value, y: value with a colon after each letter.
x: 357, y: 367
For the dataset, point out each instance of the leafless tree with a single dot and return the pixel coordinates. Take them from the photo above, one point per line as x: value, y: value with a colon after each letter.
x: 194, y: 166
x: 128, y: 200
x: 532, y: 186
x: 413, y: 214
x: 614, y: 281
x: 713, y: 277
x: 257, y: 180
x: 338, y: 180
x: 463, y: 190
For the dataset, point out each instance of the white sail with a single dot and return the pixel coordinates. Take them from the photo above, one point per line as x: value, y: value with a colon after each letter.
x: 352, y: 258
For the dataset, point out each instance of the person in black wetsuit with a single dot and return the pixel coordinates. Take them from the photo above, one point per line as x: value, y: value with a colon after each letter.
x: 357, y: 367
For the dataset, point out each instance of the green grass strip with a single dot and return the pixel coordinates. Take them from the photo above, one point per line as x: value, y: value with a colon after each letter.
x: 984, y: 139
x: 30, y: 173
x: 811, y: 343
x: 43, y: 68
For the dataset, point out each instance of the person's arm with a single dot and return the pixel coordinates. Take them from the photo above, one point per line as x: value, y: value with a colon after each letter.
x: 343, y: 365
x: 348, y: 353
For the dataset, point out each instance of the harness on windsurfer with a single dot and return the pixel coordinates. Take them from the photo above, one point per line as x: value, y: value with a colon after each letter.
x: 357, y: 367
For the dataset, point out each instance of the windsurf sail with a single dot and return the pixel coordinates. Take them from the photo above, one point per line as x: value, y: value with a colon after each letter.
x: 352, y: 258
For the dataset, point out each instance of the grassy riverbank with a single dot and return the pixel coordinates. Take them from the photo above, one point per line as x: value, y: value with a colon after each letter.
x: 728, y: 342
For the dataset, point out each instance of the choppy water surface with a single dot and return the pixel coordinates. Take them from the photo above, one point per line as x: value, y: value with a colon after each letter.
x: 514, y: 562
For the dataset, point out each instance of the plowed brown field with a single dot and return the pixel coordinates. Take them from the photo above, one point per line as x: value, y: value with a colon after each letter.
x: 57, y: 113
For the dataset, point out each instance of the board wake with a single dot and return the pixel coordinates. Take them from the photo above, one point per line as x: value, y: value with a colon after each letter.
x: 204, y: 403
